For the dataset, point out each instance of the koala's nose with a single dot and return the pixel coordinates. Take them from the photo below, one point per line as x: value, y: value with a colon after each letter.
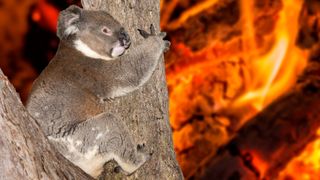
x: 123, y: 36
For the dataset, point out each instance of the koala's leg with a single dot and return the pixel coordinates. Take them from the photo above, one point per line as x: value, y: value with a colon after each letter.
x: 99, y: 140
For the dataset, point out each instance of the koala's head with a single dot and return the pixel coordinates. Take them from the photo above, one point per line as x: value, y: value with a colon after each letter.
x: 95, y: 33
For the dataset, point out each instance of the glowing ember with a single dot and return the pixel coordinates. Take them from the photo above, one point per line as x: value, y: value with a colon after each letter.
x: 272, y: 75
x: 306, y: 166
x: 227, y: 82
x: 257, y: 162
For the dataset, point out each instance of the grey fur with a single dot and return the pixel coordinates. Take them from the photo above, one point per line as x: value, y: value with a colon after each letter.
x: 67, y: 99
x: 87, y: 26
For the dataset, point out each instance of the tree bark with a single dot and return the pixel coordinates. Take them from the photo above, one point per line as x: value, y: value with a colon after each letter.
x: 25, y: 152
x: 146, y: 110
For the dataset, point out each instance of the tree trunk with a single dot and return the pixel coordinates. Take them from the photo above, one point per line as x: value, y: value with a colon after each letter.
x: 25, y: 152
x: 146, y: 110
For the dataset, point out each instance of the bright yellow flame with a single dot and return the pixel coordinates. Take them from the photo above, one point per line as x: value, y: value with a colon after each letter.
x: 268, y: 67
x: 307, y: 165
x: 275, y: 72
x: 272, y: 73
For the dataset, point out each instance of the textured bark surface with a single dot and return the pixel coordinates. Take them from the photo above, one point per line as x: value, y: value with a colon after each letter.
x: 146, y: 110
x: 25, y: 153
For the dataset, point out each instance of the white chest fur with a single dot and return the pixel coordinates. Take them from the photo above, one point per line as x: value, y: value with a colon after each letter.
x: 87, y: 51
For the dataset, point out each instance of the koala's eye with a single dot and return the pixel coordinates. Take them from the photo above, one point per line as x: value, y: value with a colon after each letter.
x: 106, y: 31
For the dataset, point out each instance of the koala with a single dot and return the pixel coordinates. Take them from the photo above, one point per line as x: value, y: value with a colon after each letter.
x: 93, y: 64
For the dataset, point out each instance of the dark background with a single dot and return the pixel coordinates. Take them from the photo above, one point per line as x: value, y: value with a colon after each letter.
x: 28, y: 39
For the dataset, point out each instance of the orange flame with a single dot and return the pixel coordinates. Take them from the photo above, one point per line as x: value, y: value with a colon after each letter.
x: 272, y: 70
x: 274, y: 73
x: 192, y: 12
x: 306, y: 166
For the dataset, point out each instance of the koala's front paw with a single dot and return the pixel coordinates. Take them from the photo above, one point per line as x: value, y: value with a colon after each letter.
x: 141, y: 148
x: 165, y: 44
x: 145, y: 34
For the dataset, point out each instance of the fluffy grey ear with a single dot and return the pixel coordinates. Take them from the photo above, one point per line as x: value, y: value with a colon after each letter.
x: 68, y: 21
x: 91, y: 4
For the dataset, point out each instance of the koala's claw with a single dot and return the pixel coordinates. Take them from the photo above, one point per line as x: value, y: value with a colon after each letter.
x: 143, y: 33
x: 140, y: 147
x: 163, y: 34
x: 107, y: 99
x: 167, y: 45
x: 152, y: 30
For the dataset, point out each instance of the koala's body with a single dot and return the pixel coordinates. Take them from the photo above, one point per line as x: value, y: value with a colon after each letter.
x: 89, y: 68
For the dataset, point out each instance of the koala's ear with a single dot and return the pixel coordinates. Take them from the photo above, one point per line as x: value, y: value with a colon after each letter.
x: 68, y: 21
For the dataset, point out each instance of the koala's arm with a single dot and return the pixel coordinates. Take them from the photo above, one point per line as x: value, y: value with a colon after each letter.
x: 136, y: 67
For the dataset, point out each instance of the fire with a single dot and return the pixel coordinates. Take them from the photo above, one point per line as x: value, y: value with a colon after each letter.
x: 226, y: 83
x: 191, y: 12
x: 306, y: 166
x: 274, y: 73
x: 257, y: 162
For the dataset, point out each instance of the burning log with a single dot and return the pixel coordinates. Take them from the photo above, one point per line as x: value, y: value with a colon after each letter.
x: 265, y: 145
x: 227, y: 64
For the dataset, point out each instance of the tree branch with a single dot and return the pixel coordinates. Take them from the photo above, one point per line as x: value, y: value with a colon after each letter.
x: 25, y: 153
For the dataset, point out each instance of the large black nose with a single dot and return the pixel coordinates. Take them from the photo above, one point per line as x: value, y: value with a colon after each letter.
x: 123, y: 36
